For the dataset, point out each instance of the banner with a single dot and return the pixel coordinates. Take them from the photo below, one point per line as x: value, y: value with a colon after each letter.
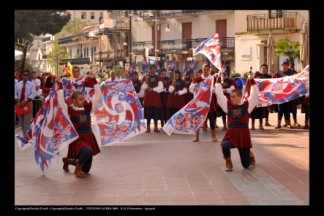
x: 191, y: 117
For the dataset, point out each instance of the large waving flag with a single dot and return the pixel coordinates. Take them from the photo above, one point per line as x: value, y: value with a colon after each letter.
x: 50, y: 132
x: 191, y: 117
x: 282, y: 90
x: 119, y: 116
x: 211, y: 49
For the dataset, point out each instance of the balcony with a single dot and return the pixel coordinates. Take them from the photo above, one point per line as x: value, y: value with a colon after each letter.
x: 273, y: 21
x: 76, y: 61
x: 167, y: 46
x: 110, y: 55
x: 73, y: 38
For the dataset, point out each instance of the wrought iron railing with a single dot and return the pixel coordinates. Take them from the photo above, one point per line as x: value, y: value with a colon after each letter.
x: 167, y: 46
x: 73, y: 38
x: 106, y: 55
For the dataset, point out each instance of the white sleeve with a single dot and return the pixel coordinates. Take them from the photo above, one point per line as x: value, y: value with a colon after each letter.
x: 96, y: 98
x: 171, y: 88
x: 103, y: 83
x: 253, y: 99
x: 141, y: 93
x: 32, y: 92
x: 192, y: 87
x: 183, y: 91
x: 144, y: 86
x: 221, y: 98
x: 159, y: 88
x: 230, y: 89
x: 16, y: 92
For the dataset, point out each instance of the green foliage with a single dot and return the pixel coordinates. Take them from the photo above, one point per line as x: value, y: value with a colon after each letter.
x: 245, y: 75
x: 234, y: 75
x: 120, y: 72
x: 27, y: 65
x: 58, y: 53
x: 74, y: 27
x: 287, y: 48
x: 37, y: 22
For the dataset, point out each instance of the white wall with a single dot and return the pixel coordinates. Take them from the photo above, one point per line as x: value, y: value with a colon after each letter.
x: 141, y: 31
x: 77, y: 14
x: 203, y: 26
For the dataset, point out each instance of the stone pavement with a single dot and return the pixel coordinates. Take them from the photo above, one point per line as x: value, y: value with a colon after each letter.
x: 157, y: 169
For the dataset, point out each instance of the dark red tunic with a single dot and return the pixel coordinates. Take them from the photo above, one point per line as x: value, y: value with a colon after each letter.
x: 152, y: 98
x: 82, y: 122
x: 177, y: 101
x: 238, y: 132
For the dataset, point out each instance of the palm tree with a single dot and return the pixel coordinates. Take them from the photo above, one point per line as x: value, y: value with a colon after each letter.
x: 287, y: 48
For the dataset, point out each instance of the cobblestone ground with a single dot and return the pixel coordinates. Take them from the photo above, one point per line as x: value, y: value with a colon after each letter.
x: 157, y: 169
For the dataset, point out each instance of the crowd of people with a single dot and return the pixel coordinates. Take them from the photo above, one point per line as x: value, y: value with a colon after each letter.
x: 161, y: 97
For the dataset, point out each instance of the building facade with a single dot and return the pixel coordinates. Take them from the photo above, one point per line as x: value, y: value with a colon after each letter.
x: 252, y: 28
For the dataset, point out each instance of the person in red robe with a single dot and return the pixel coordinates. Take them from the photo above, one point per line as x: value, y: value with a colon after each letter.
x: 82, y: 150
x: 238, y: 133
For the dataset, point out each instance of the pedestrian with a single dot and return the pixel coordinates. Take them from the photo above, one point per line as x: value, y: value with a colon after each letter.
x: 82, y: 150
x: 238, y: 133
x: 25, y: 92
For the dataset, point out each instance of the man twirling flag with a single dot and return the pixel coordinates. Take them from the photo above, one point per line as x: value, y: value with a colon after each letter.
x: 211, y: 49
x: 50, y: 132
x: 191, y: 117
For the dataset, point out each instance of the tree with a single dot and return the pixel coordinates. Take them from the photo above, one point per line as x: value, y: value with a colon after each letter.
x: 287, y: 48
x: 58, y: 52
x: 37, y: 22
x: 73, y: 27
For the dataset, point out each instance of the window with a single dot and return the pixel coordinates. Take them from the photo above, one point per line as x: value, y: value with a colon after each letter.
x: 92, y: 16
x: 101, y: 14
x: 83, y: 15
x: 70, y: 52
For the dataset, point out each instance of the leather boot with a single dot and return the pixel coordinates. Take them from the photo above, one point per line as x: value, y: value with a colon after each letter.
x: 225, y: 127
x: 204, y: 126
x: 267, y: 122
x: 289, y: 124
x: 252, y: 125
x: 306, y: 125
x: 78, y: 171
x: 148, y: 128
x: 252, y: 158
x: 66, y: 162
x: 278, y: 125
x: 213, y: 133
x: 156, y: 128
x: 196, y: 138
x: 229, y: 164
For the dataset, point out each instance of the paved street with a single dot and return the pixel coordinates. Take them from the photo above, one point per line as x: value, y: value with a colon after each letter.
x: 157, y: 169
